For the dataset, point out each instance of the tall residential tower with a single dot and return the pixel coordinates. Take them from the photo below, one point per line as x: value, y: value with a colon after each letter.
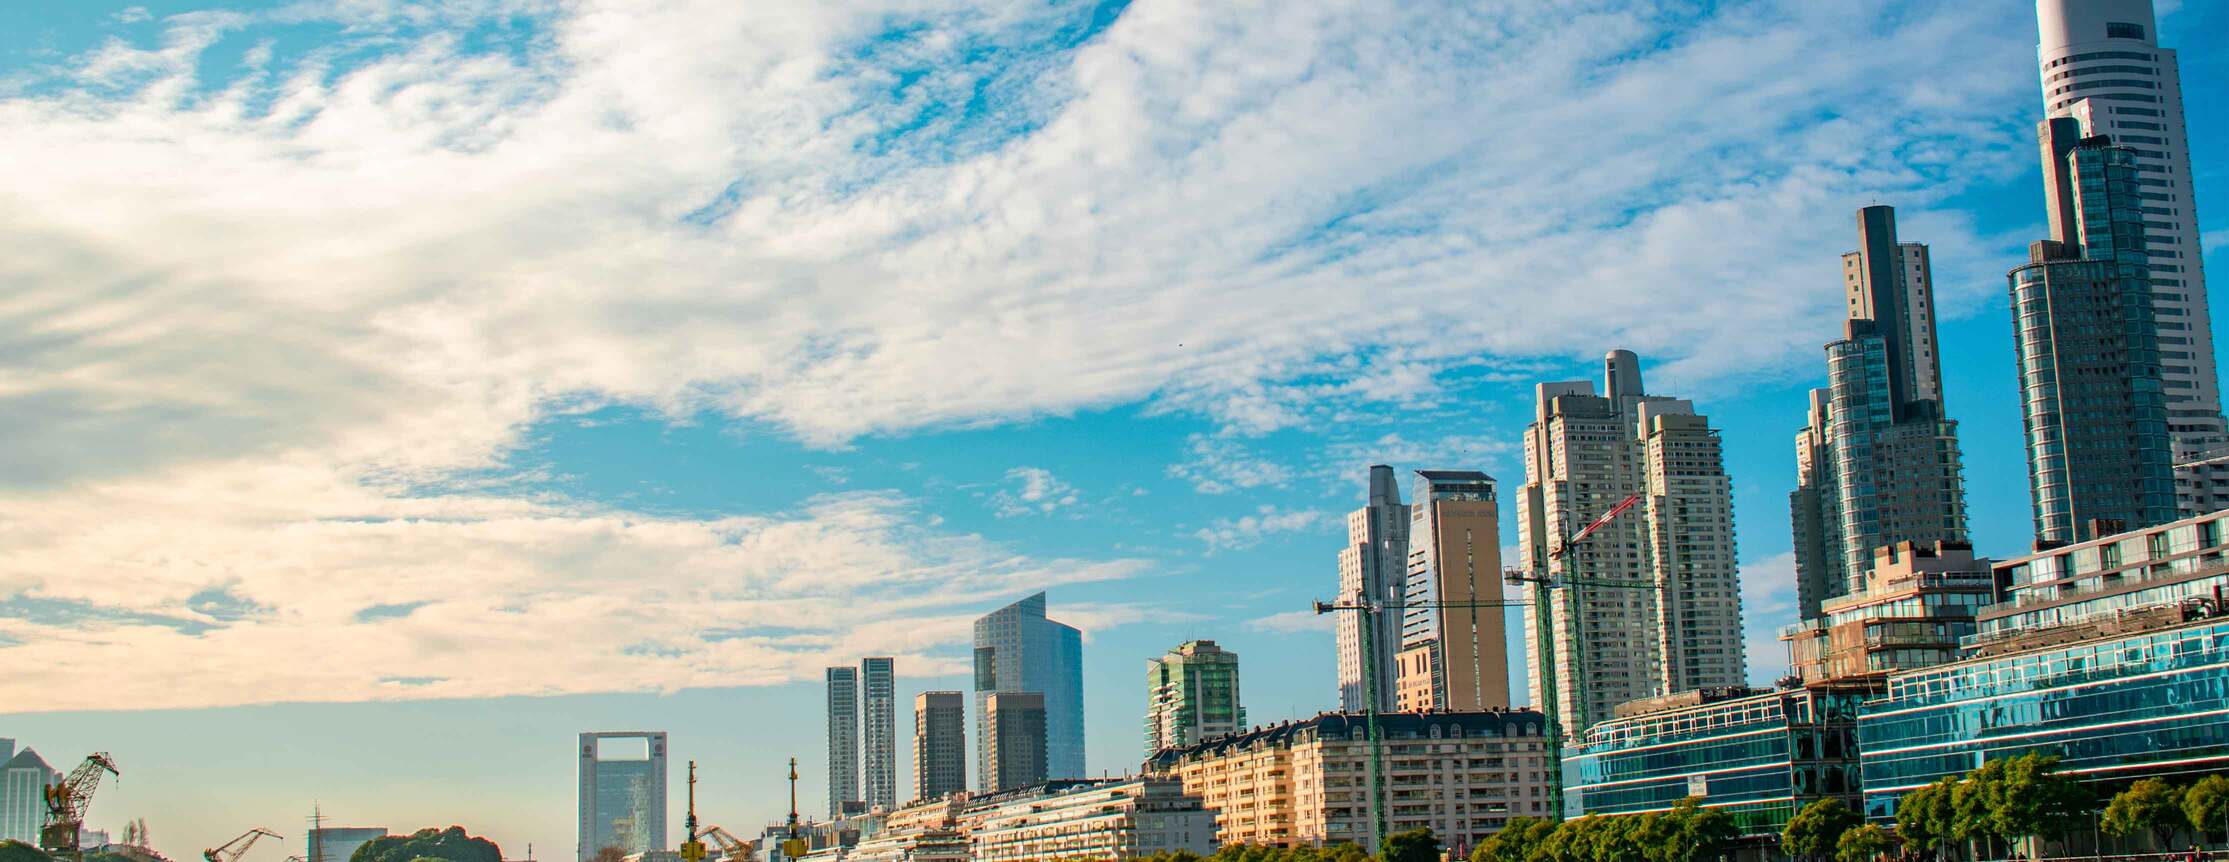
x: 1191, y: 695
x: 1018, y: 650
x: 1879, y: 462
x: 1373, y: 570
x: 1453, y: 658
x: 878, y: 714
x: 2103, y: 67
x: 939, y: 744
x: 843, y: 738
x: 2088, y: 345
x: 1675, y: 622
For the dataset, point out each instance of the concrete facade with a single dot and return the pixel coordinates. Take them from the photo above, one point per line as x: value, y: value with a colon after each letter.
x: 1453, y: 658
x: 843, y: 738
x: 1096, y: 820
x: 878, y: 719
x: 939, y: 744
x: 1014, y: 749
x: 1680, y: 627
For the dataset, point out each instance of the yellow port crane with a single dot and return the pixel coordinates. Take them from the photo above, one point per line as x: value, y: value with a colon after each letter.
x: 732, y: 849
x: 67, y: 802
x: 238, y: 847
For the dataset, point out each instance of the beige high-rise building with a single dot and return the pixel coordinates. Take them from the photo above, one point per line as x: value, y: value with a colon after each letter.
x: 1014, y: 747
x: 1453, y: 658
x: 1674, y: 623
x: 1462, y: 775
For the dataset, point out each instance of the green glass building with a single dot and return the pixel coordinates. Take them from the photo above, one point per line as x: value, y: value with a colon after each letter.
x: 2092, y: 401
x: 1760, y: 756
x: 1191, y: 695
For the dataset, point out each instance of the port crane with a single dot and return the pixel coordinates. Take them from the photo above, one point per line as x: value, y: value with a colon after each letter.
x: 238, y: 847
x: 66, y: 804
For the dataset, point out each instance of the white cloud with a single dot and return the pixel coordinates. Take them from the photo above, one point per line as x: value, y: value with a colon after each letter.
x: 1768, y: 602
x: 196, y: 590
x: 1219, y: 464
x: 1033, y: 491
x: 1249, y: 530
x: 241, y: 316
x: 1292, y: 622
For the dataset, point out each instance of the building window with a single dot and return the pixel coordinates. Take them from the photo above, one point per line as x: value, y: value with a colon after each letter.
x: 2123, y: 30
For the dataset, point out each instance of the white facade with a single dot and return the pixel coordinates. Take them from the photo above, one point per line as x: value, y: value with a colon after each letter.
x: 1091, y: 820
x: 2102, y: 64
x: 1373, y: 570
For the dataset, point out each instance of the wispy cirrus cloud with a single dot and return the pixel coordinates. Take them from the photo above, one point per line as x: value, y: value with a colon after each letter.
x: 1246, y: 531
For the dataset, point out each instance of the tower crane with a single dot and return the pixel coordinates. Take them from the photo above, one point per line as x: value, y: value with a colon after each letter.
x: 238, y: 847
x: 732, y: 849
x: 67, y: 802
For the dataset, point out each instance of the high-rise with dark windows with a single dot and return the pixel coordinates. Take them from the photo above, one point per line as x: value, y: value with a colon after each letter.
x: 843, y: 738
x: 1878, y: 463
x: 939, y: 744
x: 1018, y: 650
x: 2086, y: 338
x: 878, y: 723
x: 2103, y: 67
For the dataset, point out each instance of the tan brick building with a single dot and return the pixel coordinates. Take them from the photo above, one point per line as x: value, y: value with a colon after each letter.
x: 1461, y: 774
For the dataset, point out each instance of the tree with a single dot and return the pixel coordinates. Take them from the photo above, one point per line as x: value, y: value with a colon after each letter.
x: 603, y: 854
x: 1703, y: 832
x: 1415, y: 845
x: 1923, y: 817
x: 1348, y: 852
x: 2206, y: 803
x: 2149, y: 805
x: 441, y: 845
x: 1515, y: 841
x: 2034, y: 800
x: 1865, y: 843
x: 17, y: 851
x: 1815, y: 831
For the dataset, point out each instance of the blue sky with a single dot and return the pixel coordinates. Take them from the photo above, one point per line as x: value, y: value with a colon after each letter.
x: 404, y: 387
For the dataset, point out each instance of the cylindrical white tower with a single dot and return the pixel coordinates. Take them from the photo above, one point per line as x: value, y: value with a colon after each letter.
x: 2102, y: 65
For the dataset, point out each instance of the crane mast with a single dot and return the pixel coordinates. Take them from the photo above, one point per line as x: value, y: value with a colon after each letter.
x: 66, y: 804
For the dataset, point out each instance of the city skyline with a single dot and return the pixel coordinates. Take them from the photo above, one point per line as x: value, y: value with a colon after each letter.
x: 403, y: 560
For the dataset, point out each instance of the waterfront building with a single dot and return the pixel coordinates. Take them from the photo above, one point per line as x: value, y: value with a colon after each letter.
x: 622, y: 792
x: 1585, y: 453
x: 1014, y: 748
x: 843, y: 738
x: 339, y: 843
x: 1878, y: 462
x: 24, y: 778
x: 1461, y: 774
x: 924, y: 845
x: 1453, y: 657
x: 1913, y: 607
x: 878, y: 720
x: 1191, y: 694
x: 1373, y: 571
x: 1759, y: 756
x: 939, y: 744
x: 1106, y: 819
x: 2086, y: 337
x: 2112, y: 654
x: 2103, y: 67
x: 1018, y: 650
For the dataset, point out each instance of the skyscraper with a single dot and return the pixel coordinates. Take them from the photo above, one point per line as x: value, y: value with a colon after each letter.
x: 1014, y: 749
x: 843, y: 738
x: 1453, y: 657
x: 1878, y: 462
x: 1585, y: 453
x: 2102, y: 66
x: 2084, y: 332
x: 1018, y: 650
x: 939, y: 744
x: 622, y: 792
x: 24, y: 778
x: 879, y: 719
x: 1373, y: 570
x: 1191, y: 695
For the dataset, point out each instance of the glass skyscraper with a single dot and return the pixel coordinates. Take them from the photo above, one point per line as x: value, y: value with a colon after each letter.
x: 2087, y: 342
x: 1373, y: 570
x: 878, y: 716
x: 622, y: 792
x: 1879, y: 462
x: 1191, y: 695
x: 1018, y: 650
x: 843, y: 738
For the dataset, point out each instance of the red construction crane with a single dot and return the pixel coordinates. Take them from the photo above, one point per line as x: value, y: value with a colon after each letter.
x: 66, y: 804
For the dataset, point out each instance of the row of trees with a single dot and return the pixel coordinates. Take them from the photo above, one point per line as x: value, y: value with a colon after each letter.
x: 1687, y: 833
x: 2164, y: 810
x: 1415, y: 845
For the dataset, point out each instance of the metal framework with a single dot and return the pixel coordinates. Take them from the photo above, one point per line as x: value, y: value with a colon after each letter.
x: 67, y: 802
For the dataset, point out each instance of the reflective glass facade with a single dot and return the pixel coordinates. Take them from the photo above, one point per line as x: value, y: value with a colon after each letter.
x: 2127, y: 707
x: 1759, y: 758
